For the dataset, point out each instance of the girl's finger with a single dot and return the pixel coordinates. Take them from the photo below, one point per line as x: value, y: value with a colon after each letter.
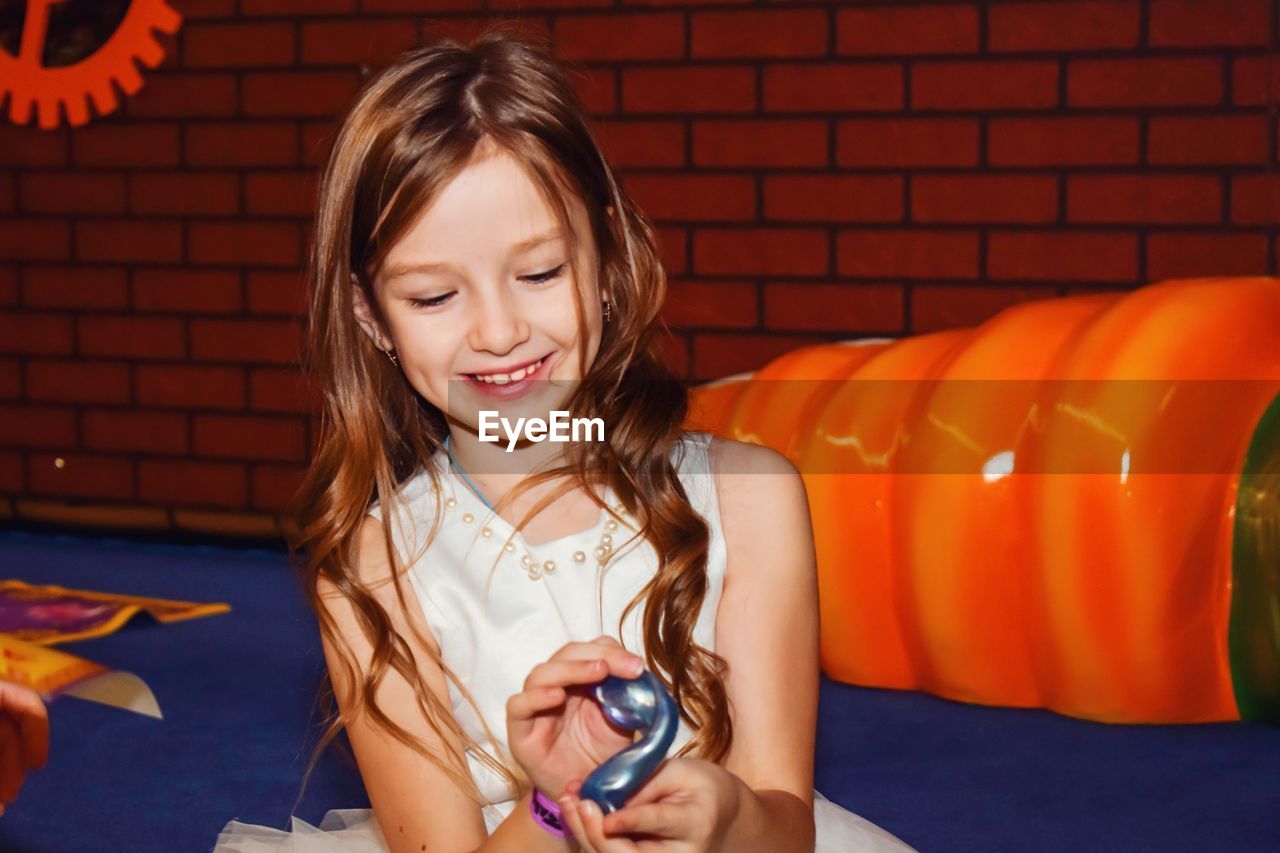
x: 661, y: 819
x: 569, y: 812
x: 593, y: 824
x: 523, y: 706
x: 560, y: 673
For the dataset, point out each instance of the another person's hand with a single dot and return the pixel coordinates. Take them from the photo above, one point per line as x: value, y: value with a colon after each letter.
x: 686, y: 807
x: 24, y: 738
x: 555, y: 728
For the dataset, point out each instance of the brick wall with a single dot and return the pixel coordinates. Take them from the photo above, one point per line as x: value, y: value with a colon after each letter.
x: 819, y: 171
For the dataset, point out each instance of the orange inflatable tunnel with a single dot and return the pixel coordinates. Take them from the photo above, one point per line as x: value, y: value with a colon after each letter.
x: 1075, y: 505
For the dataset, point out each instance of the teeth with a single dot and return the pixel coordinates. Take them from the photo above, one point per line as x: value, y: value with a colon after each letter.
x: 504, y: 378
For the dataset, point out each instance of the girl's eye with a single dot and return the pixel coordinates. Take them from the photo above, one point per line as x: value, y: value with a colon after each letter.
x: 543, y: 277
x: 432, y: 302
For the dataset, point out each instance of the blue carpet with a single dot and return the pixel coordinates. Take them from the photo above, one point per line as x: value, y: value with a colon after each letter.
x: 238, y: 691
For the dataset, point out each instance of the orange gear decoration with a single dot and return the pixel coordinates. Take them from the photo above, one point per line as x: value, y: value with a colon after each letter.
x: 29, y: 84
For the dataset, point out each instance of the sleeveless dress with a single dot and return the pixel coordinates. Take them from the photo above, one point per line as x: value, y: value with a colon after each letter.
x: 494, y: 622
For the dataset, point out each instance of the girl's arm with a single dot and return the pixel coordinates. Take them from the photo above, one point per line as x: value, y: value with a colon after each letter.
x: 767, y: 630
x: 418, y: 807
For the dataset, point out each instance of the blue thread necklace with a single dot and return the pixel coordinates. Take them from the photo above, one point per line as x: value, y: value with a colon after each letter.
x: 463, y: 474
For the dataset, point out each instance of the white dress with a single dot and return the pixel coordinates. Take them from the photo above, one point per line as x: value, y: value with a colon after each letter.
x: 494, y: 623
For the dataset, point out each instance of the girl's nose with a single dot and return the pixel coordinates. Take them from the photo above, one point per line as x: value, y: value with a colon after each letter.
x: 497, y: 325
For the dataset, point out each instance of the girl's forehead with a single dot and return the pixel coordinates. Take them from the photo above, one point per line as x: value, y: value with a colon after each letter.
x: 488, y: 212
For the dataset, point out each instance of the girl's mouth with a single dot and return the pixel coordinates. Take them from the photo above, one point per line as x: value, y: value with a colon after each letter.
x: 507, y: 386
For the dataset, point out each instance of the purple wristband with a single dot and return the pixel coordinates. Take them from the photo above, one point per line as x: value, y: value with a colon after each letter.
x: 546, y: 814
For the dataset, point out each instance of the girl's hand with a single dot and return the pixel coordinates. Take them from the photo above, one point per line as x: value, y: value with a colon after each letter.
x: 686, y: 807
x: 24, y: 737
x: 555, y: 728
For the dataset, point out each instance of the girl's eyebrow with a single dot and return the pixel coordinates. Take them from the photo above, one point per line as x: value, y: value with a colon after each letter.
x: 515, y: 249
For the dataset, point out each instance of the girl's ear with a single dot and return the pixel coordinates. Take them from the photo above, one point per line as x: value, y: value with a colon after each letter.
x: 365, y: 315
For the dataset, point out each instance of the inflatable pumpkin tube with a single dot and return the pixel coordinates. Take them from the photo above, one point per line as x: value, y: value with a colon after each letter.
x: 1075, y: 505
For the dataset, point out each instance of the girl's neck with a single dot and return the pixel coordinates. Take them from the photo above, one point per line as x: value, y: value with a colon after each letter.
x: 494, y: 470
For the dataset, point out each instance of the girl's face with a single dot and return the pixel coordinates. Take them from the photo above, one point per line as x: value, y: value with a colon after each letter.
x: 478, y: 297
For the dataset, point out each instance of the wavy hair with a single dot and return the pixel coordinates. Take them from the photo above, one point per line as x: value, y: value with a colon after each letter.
x: 413, y: 127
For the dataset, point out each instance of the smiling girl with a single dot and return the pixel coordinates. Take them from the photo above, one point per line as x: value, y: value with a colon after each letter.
x: 474, y: 252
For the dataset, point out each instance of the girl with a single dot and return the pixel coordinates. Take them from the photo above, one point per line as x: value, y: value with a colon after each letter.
x: 474, y: 253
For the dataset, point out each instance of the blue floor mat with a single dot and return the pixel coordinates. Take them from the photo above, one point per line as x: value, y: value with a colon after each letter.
x: 238, y: 693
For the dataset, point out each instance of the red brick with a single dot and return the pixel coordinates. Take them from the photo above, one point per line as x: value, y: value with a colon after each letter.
x: 317, y: 139
x: 833, y: 87
x: 78, y: 475
x: 761, y: 142
x: 833, y: 198
x: 1253, y: 79
x: 131, y: 337
x: 950, y: 28
x: 990, y: 84
x: 134, y: 430
x: 597, y: 88
x: 280, y: 193
x: 686, y: 89
x: 8, y: 194
x: 74, y: 287
x: 352, y: 42
x: 34, y: 240
x: 189, y: 387
x: 184, y: 483
x: 1255, y: 199
x: 185, y: 192
x: 1144, y: 198
x: 760, y: 251
x: 297, y: 7
x: 188, y: 291
x: 1194, y: 23
x: 197, y: 9
x: 30, y: 146
x: 264, y: 341
x: 1062, y: 26
x: 907, y: 254
x: 8, y: 285
x: 72, y: 192
x: 642, y: 143
x: 692, y: 197
x: 430, y: 6
x: 907, y: 142
x: 28, y: 332
x: 1190, y: 140
x: 466, y: 28
x: 239, y: 45
x: 935, y: 307
x: 242, y: 144
x: 77, y: 381
x: 830, y: 307
x: 714, y: 304
x: 614, y: 36
x: 718, y: 355
x: 185, y: 95
x: 11, y: 475
x: 125, y: 240
x: 984, y: 198
x: 759, y: 33
x: 10, y: 379
x: 299, y: 93
x: 275, y: 485
x: 243, y: 437
x: 282, y: 390
x: 1063, y: 141
x: 1143, y: 82
x: 37, y: 426
x: 1194, y: 254
x: 276, y: 292
x: 264, y: 242
x: 673, y: 243
x: 1056, y: 255
x: 133, y: 144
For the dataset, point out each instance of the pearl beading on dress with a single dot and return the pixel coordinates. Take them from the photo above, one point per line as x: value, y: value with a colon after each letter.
x: 534, y: 570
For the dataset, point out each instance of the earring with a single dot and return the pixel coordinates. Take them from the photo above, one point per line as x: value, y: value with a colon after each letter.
x: 391, y: 355
x: 608, y: 311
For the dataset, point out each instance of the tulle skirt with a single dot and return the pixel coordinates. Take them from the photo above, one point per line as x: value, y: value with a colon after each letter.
x: 356, y: 831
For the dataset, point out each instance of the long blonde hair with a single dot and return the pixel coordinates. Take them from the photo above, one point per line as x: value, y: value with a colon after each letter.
x: 412, y: 128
